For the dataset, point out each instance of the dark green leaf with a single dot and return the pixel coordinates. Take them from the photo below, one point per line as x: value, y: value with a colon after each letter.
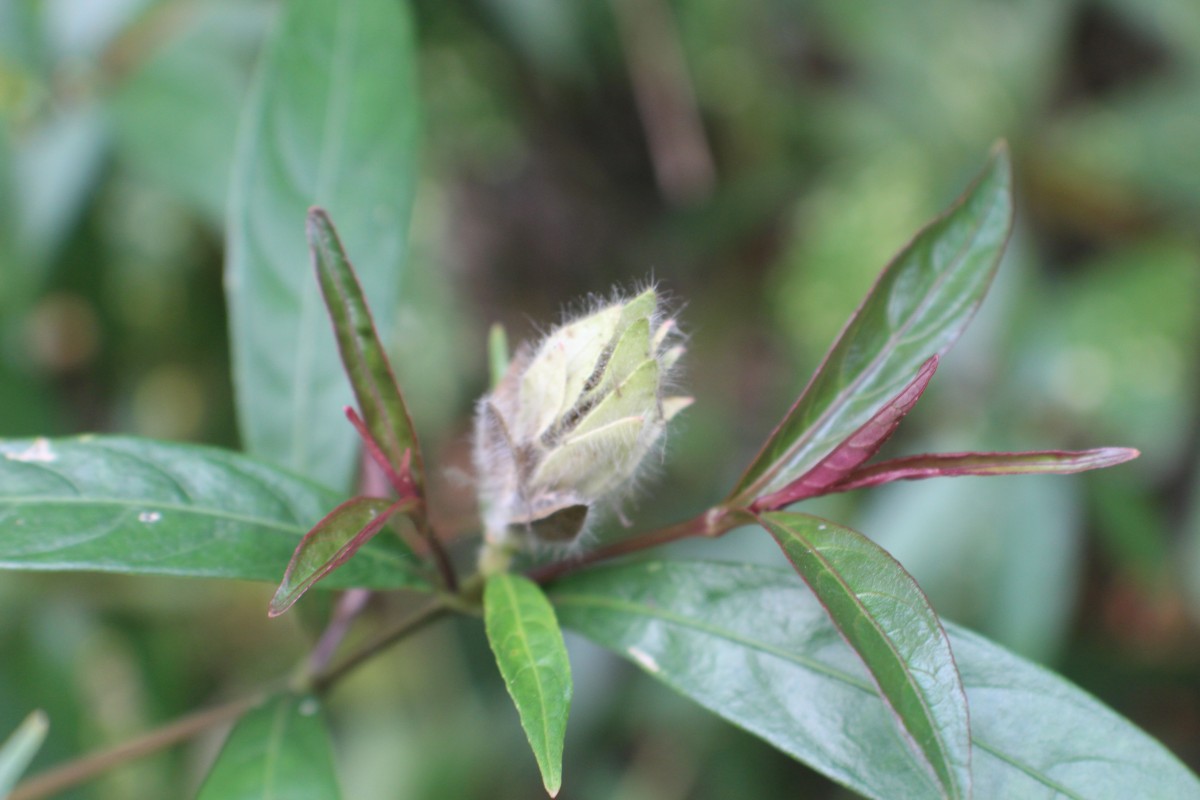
x: 279, y: 750
x: 19, y: 749
x: 120, y: 504
x: 363, y: 355
x: 529, y: 650
x: 884, y: 616
x: 330, y: 544
x: 918, y: 308
x: 753, y: 645
x: 331, y: 121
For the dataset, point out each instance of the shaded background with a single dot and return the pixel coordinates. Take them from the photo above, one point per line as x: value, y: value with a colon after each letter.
x: 761, y: 160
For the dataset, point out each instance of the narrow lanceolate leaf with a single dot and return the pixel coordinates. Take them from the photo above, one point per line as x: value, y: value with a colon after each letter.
x: 330, y: 122
x: 19, y: 749
x: 856, y: 450
x: 279, y: 750
x: 945, y: 465
x: 363, y: 356
x: 331, y: 543
x: 885, y: 618
x: 916, y: 310
x: 121, y: 504
x: 529, y: 649
x: 752, y: 644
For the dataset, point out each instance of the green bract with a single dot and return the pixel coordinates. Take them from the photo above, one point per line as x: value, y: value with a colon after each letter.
x: 572, y: 420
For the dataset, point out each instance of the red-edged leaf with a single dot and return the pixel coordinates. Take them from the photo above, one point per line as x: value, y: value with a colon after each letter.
x: 885, y: 617
x: 921, y: 303
x: 947, y: 465
x: 855, y: 451
x: 363, y: 355
x: 331, y: 543
x: 399, y: 475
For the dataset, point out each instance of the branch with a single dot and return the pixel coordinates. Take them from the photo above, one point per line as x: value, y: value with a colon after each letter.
x: 72, y: 773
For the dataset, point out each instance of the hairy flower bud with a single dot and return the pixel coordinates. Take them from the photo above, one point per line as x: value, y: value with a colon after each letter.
x: 572, y: 420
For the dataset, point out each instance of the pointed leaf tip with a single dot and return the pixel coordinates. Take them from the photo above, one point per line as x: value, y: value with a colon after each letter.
x: 919, y: 306
x: 950, y: 465
x: 887, y: 620
x: 19, y: 749
x: 523, y: 632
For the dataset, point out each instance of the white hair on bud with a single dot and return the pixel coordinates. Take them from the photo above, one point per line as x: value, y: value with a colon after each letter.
x: 565, y: 434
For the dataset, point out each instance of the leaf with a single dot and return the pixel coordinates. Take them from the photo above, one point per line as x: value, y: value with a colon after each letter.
x: 279, y: 750
x: 363, y: 356
x: 175, y: 118
x: 887, y: 620
x: 121, y: 504
x: 752, y: 644
x: 858, y: 448
x: 944, y: 465
x: 916, y: 310
x: 330, y: 121
x: 529, y: 649
x: 19, y: 749
x: 331, y: 543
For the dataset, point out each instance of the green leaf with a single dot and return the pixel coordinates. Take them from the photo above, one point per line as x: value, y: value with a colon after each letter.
x: 279, y: 750
x: 497, y: 349
x: 121, y: 504
x: 752, y: 644
x: 855, y: 450
x: 885, y: 617
x: 529, y: 649
x: 331, y: 121
x: 175, y: 119
x: 331, y: 543
x: 19, y: 749
x: 363, y: 355
x: 916, y: 310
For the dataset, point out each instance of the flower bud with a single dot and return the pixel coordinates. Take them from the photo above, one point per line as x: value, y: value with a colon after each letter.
x: 571, y: 422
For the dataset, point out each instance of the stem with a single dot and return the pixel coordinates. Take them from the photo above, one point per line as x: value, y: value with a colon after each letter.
x: 349, y: 606
x: 440, y: 556
x: 323, y: 680
x: 56, y: 779
x: 712, y: 523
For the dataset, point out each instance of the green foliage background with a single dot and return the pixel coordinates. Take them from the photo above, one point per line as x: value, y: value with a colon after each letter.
x: 834, y: 130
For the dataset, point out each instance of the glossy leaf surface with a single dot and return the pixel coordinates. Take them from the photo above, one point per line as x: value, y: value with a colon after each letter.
x: 121, y: 504
x: 330, y: 544
x: 525, y: 638
x: 279, y: 750
x: 331, y: 121
x: 363, y: 356
x: 947, y: 465
x: 19, y: 749
x: 856, y: 450
x: 752, y: 644
x: 886, y: 619
x: 916, y: 310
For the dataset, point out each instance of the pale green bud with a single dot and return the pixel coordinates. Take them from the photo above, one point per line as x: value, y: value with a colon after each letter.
x: 572, y: 421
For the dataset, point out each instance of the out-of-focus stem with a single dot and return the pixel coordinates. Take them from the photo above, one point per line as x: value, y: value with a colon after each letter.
x: 73, y: 773
x: 662, y: 88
